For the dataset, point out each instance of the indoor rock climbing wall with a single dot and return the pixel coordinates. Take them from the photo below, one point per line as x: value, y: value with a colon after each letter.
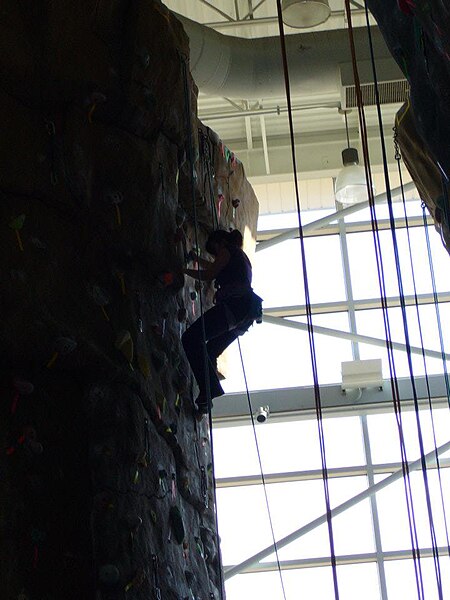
x: 105, y: 475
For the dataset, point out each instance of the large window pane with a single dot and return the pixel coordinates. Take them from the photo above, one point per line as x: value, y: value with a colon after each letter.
x: 403, y: 581
x: 371, y: 323
x: 363, y: 265
x: 287, y: 447
x: 279, y: 357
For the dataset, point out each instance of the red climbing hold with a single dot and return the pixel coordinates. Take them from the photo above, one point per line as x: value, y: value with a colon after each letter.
x: 406, y: 6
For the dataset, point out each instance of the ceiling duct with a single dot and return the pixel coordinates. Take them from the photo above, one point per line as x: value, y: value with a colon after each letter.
x: 319, y: 63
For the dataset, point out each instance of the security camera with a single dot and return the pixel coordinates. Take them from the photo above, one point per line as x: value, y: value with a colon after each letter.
x: 262, y: 414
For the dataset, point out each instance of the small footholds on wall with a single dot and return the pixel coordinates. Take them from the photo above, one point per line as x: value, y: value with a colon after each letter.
x: 199, y: 546
x: 101, y: 298
x: 180, y: 216
x: 186, y: 550
x: 28, y: 439
x: 153, y: 517
x: 235, y: 203
x: 37, y: 538
x: 220, y: 199
x: 20, y: 388
x: 16, y: 225
x: 93, y: 101
x: 124, y: 343
x: 137, y: 581
x: 166, y: 278
x: 115, y: 197
x: 162, y: 476
x: 144, y: 58
x: 144, y: 365
x: 62, y: 347
x: 103, y: 501
x: 37, y: 243
x: 204, y: 486
x: 156, y: 588
x: 121, y: 277
x: 174, y: 487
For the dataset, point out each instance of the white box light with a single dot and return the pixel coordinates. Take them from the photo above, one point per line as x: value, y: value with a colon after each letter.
x: 358, y: 374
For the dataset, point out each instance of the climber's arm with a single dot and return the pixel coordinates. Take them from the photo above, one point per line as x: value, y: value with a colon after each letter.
x: 213, y: 269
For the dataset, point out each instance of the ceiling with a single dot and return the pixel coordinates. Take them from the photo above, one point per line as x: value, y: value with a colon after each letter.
x: 257, y: 130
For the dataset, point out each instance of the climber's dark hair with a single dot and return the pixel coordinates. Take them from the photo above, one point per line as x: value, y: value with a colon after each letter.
x: 232, y: 239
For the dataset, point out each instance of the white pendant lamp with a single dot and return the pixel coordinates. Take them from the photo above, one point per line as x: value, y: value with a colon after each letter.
x: 350, y: 186
x: 305, y: 13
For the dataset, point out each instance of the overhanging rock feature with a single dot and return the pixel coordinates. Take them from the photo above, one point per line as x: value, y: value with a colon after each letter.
x: 106, y: 486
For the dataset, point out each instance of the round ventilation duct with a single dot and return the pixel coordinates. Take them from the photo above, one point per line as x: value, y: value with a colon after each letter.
x: 305, y: 13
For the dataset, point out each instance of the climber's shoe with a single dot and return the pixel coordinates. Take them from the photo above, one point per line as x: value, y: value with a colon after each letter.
x: 202, y: 405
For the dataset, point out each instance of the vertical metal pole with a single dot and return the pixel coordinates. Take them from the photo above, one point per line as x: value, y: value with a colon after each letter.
x: 363, y: 418
x: 236, y: 8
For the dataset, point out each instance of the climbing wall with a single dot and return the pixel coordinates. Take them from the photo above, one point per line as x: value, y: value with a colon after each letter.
x: 105, y: 475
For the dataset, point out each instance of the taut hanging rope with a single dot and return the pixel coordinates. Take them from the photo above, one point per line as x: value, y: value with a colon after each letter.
x: 205, y: 354
x: 404, y: 315
x: 318, y: 403
x: 263, y: 479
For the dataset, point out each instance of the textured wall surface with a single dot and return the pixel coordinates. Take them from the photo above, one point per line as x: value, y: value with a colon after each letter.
x: 105, y: 475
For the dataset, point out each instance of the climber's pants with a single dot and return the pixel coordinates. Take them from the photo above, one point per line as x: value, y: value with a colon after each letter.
x: 218, y: 337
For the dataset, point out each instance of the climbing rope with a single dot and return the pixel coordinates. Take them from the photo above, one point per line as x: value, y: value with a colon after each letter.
x: 263, y: 479
x: 318, y: 404
x: 404, y: 315
x: 389, y: 346
x: 398, y: 158
x: 205, y: 353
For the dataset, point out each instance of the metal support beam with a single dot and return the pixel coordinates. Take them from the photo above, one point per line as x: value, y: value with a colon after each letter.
x: 354, y: 337
x: 346, y: 559
x: 257, y: 112
x: 224, y: 14
x: 264, y: 143
x: 317, y: 474
x: 354, y: 227
x: 369, y: 304
x: 290, y: 234
x: 373, y: 489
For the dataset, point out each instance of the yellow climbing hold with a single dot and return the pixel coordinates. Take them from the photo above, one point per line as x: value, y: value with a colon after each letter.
x: 144, y: 365
x: 124, y: 343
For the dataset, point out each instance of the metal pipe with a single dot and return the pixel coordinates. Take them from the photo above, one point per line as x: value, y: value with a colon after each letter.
x: 336, y: 15
x: 373, y: 489
x: 292, y: 233
x: 278, y: 110
x: 353, y: 337
x: 224, y: 65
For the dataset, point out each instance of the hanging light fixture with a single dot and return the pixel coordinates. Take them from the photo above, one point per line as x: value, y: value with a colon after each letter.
x: 350, y: 186
x: 305, y: 13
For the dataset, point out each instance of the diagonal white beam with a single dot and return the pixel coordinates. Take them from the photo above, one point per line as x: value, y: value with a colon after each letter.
x: 292, y: 233
x: 370, y: 491
x: 224, y: 14
x: 353, y: 337
x: 264, y: 142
